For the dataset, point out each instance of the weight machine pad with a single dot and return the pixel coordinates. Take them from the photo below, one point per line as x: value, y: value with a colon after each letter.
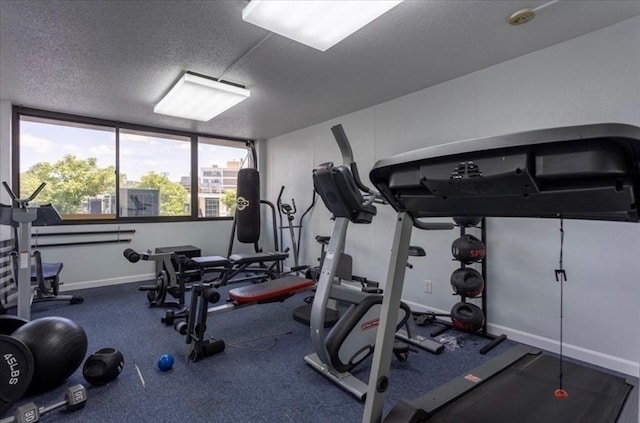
x: 269, y: 290
x: 211, y: 261
x: 249, y: 258
x: 49, y: 271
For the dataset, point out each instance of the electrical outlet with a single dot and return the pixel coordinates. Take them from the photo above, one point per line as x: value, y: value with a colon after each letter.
x: 427, y: 286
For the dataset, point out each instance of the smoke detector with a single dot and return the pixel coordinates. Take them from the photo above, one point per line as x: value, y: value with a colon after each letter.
x: 521, y: 17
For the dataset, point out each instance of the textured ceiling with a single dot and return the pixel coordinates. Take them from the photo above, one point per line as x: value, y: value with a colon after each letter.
x: 115, y: 59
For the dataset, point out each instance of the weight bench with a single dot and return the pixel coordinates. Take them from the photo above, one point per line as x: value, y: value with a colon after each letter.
x: 173, y: 281
x: 47, y: 275
x: 44, y: 279
x: 203, y: 294
x: 30, y: 278
x: 264, y: 264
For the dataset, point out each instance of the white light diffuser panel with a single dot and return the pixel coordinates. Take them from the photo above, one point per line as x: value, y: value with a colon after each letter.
x: 199, y: 98
x: 318, y: 24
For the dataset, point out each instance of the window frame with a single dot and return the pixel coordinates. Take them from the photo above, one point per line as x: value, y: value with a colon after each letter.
x: 19, y: 111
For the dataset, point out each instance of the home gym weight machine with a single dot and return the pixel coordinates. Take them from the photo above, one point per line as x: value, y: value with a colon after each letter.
x: 20, y: 216
x: 587, y: 172
x: 352, y: 338
x: 178, y: 268
x: 274, y: 285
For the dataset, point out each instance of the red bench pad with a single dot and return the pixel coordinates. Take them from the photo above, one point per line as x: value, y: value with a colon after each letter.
x: 273, y: 289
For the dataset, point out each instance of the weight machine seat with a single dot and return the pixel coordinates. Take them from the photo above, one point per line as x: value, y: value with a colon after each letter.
x: 270, y: 291
x: 211, y: 261
x: 49, y: 271
x: 249, y: 258
x: 240, y: 258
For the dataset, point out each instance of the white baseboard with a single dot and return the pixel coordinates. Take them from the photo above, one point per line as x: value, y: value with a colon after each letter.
x: 606, y: 361
x: 70, y: 286
x: 597, y: 358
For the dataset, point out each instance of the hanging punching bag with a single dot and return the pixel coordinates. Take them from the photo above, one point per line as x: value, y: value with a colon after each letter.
x: 248, y: 206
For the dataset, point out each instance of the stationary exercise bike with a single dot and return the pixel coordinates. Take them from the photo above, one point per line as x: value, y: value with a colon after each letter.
x: 352, y: 338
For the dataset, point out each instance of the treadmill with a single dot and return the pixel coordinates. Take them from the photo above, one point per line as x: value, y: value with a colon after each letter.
x: 587, y: 172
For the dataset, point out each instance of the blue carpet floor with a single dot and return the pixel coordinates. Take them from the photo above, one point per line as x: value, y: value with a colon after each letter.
x: 260, y: 377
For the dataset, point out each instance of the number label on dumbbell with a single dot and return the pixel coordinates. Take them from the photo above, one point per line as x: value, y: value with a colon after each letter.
x: 79, y: 396
x: 27, y: 413
x: 30, y: 416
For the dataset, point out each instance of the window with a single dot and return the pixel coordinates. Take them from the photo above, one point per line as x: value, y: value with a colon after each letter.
x: 152, y: 165
x: 97, y: 170
x: 76, y: 161
x: 219, y: 162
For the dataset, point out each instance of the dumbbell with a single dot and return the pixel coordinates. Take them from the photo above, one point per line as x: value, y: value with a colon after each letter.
x: 75, y: 398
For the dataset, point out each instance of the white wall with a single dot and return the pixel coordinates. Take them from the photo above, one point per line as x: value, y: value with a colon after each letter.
x: 103, y: 264
x: 593, y: 78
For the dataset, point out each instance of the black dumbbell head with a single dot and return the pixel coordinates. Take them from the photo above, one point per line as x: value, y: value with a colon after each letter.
x: 75, y: 397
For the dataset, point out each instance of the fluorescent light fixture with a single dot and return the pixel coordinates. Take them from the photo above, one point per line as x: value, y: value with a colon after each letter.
x: 200, y: 98
x: 318, y: 24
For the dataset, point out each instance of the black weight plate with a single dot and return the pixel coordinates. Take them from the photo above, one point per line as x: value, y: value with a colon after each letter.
x: 152, y: 296
x: 16, y: 371
x: 9, y: 323
x: 157, y: 297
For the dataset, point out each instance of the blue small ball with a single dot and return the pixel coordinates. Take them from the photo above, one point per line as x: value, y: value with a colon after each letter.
x: 165, y: 362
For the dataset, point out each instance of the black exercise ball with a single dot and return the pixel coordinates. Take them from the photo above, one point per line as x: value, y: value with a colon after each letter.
x: 58, y: 346
x: 467, y: 282
x: 103, y: 366
x: 467, y: 317
x: 466, y: 221
x: 468, y: 249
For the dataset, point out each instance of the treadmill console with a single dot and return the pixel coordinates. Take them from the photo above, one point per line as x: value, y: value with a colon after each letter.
x: 581, y: 172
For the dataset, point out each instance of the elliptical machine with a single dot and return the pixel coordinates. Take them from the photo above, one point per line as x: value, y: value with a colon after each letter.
x: 352, y: 338
x: 290, y: 210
